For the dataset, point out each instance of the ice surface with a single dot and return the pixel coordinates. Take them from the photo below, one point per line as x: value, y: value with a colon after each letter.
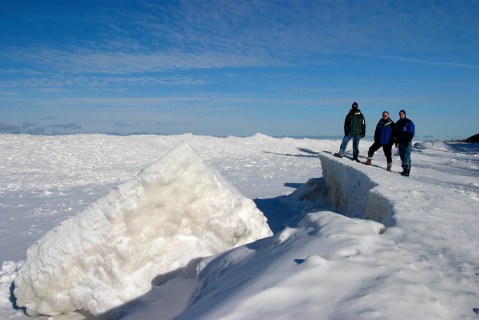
x: 419, y: 262
x: 174, y: 211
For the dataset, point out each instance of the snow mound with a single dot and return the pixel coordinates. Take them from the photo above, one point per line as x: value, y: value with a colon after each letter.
x: 437, y: 145
x: 174, y: 211
x: 291, y: 273
x: 260, y: 137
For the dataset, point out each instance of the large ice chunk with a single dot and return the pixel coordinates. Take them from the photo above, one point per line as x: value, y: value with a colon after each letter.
x: 174, y: 211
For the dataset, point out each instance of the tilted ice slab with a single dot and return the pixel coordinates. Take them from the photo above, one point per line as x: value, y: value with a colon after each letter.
x: 174, y: 211
x: 355, y: 193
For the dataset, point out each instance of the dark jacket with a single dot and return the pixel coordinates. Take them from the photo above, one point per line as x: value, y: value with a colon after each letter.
x: 355, y: 123
x: 385, y: 132
x: 404, y: 131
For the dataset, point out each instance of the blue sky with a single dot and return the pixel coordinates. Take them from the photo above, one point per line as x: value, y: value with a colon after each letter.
x: 237, y: 67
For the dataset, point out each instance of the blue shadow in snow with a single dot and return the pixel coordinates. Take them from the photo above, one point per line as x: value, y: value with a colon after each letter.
x: 281, y: 214
x: 13, y: 300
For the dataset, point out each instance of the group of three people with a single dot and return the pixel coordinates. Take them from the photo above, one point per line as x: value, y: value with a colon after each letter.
x: 386, y: 135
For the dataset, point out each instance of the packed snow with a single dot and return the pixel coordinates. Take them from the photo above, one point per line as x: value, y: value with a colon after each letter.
x: 350, y: 241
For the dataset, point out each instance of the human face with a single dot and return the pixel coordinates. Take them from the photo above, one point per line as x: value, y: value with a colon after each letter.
x: 401, y: 115
x: 385, y: 115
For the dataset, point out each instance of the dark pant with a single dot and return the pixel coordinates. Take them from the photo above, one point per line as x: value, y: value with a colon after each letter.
x: 386, y: 148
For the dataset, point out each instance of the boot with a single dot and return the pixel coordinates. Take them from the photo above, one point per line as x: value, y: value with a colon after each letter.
x: 389, y: 166
x: 355, y: 159
x: 338, y: 154
x: 368, y: 161
x: 406, y: 171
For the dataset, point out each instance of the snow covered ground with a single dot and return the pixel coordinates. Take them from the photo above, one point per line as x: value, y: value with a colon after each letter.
x: 350, y: 241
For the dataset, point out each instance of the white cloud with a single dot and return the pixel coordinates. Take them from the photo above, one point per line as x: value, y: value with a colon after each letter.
x: 192, y: 35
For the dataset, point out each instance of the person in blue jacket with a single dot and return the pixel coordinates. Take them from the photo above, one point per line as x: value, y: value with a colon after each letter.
x: 404, y: 133
x: 384, y: 136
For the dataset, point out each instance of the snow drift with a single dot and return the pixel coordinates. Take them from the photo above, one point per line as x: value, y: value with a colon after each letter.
x: 174, y: 211
x: 301, y: 273
x: 436, y: 145
x: 348, y: 266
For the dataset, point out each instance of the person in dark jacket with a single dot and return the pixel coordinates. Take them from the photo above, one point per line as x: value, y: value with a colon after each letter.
x: 405, y: 131
x: 383, y: 136
x: 354, y: 128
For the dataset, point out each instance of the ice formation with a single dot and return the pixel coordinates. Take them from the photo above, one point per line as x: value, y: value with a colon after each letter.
x: 174, y: 211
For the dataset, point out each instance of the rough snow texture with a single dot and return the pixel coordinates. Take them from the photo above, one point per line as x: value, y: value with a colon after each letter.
x: 176, y: 210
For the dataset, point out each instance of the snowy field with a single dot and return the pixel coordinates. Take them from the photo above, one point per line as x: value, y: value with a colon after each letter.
x: 162, y: 234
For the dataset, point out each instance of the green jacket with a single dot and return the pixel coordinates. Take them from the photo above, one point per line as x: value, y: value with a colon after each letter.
x: 355, y: 123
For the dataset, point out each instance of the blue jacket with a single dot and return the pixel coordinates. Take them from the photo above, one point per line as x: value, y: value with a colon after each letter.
x: 404, y: 131
x: 385, y: 132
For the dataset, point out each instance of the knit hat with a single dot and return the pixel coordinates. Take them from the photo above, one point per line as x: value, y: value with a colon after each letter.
x: 355, y: 104
x: 403, y: 112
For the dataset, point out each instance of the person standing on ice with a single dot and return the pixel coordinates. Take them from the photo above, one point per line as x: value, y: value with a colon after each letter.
x: 383, y: 136
x: 404, y: 133
x: 354, y: 128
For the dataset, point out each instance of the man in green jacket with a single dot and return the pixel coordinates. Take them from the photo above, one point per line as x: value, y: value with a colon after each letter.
x: 354, y: 128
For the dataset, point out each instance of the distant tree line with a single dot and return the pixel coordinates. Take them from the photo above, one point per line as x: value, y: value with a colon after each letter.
x: 471, y: 139
x: 474, y: 138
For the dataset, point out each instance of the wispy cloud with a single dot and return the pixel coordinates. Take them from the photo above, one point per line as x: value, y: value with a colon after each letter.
x: 192, y: 35
x: 122, y: 124
x: 415, y: 61
x: 59, y: 82
x: 120, y: 62
x: 72, y: 126
x: 35, y: 128
x: 197, y: 103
